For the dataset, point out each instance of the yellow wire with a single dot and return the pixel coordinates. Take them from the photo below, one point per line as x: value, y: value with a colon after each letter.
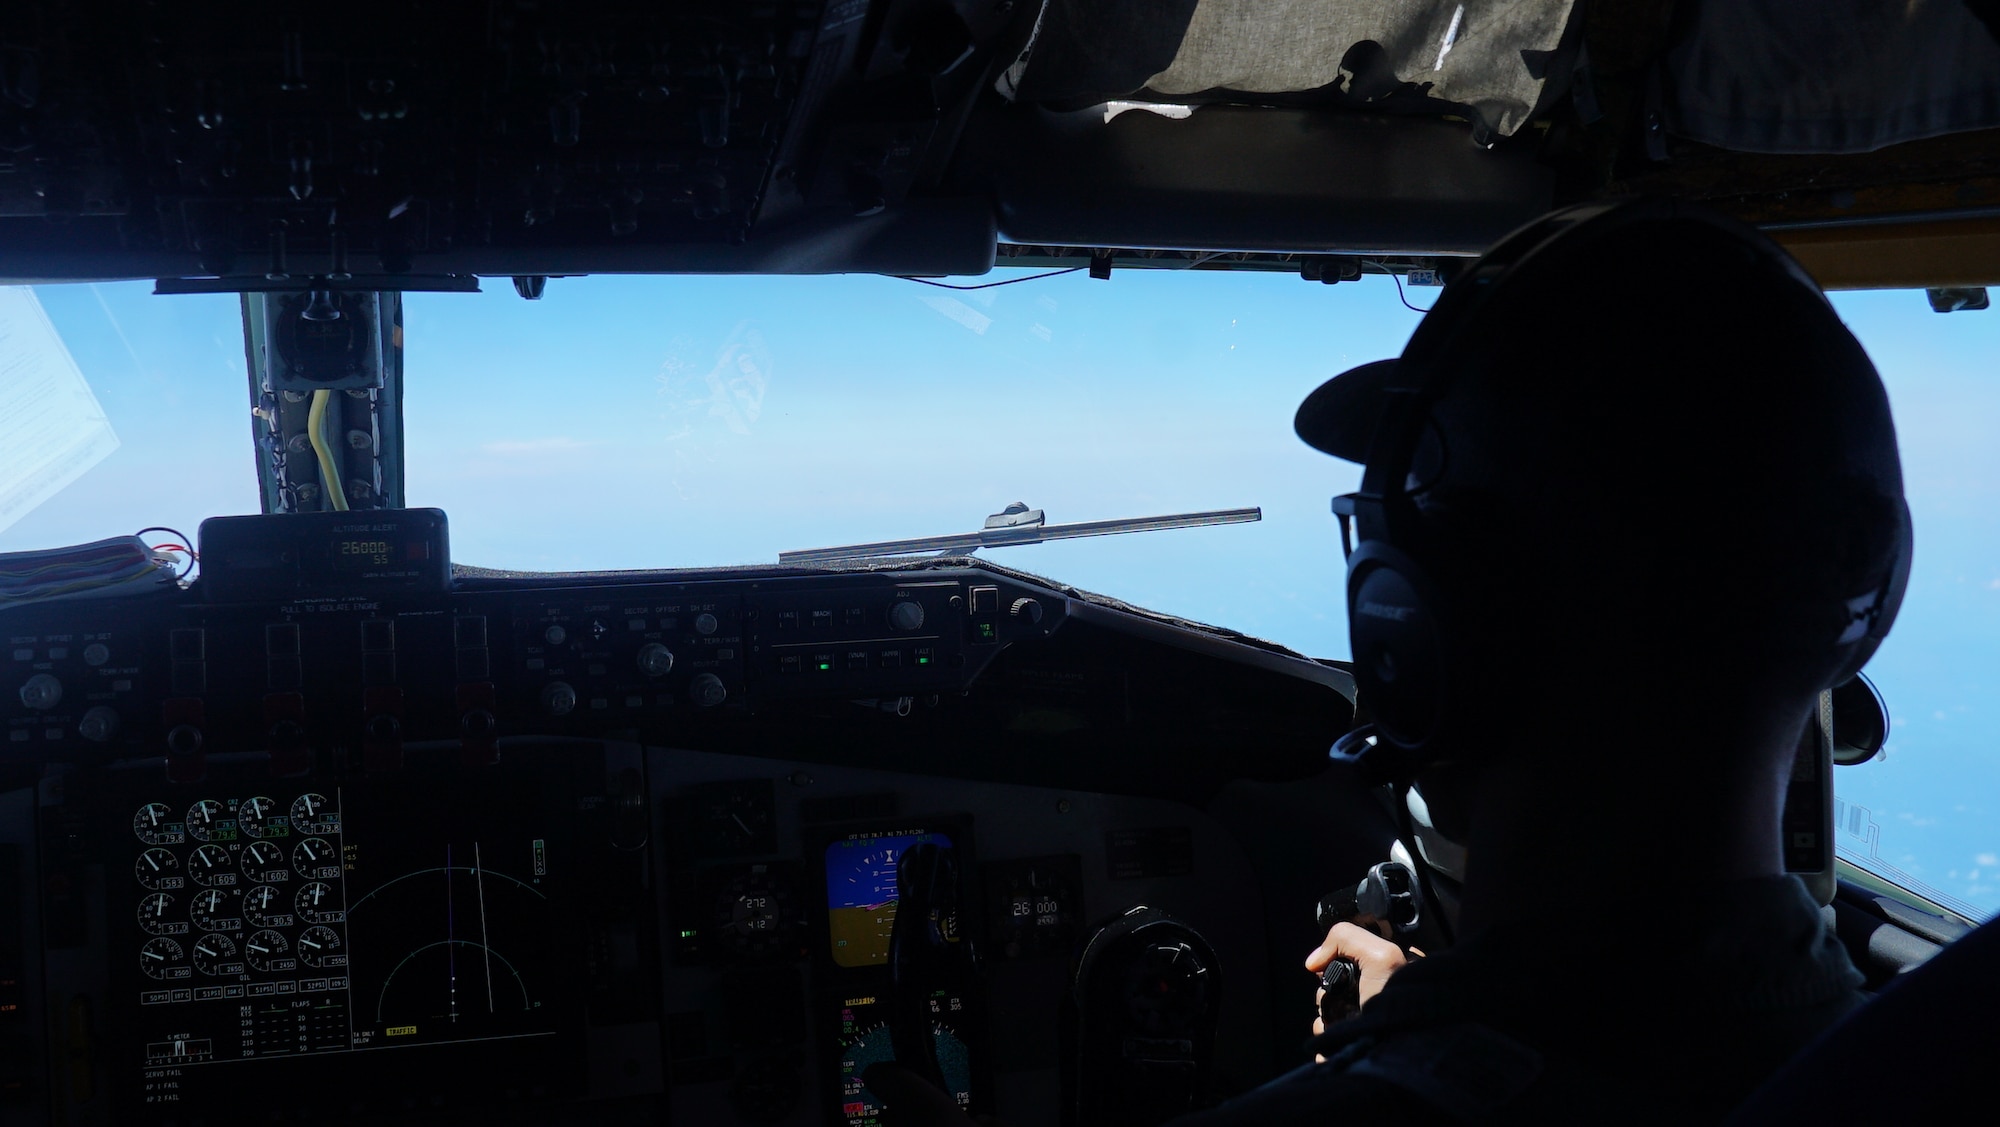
x: 329, y: 478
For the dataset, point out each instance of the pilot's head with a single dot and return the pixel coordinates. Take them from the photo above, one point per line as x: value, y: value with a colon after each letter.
x: 1631, y: 455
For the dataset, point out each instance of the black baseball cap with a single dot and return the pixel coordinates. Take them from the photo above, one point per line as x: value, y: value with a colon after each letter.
x: 1340, y: 417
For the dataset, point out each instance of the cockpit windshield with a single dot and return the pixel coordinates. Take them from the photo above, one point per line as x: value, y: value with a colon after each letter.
x: 646, y: 422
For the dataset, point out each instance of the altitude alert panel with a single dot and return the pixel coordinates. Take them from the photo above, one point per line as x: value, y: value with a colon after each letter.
x: 414, y: 927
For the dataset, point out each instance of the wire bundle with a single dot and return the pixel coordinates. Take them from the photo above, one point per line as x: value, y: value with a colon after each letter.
x: 118, y: 566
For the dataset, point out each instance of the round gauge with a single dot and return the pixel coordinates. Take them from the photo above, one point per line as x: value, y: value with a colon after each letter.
x: 755, y: 914
x: 264, y: 906
x: 268, y: 951
x: 207, y: 822
x: 316, y: 903
x: 156, y: 825
x: 313, y: 814
x: 264, y: 861
x: 319, y: 948
x: 161, y: 958
x: 156, y: 869
x: 214, y: 910
x: 210, y: 866
x: 259, y: 817
x: 316, y: 859
x: 216, y: 955
x: 153, y: 912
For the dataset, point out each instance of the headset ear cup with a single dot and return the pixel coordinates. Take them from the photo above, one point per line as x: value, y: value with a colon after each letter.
x: 1400, y: 659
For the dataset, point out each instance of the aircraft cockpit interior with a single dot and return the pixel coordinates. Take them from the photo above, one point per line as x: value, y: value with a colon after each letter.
x: 308, y: 817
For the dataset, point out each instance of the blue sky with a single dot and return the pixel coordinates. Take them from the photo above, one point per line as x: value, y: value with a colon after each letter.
x: 633, y: 422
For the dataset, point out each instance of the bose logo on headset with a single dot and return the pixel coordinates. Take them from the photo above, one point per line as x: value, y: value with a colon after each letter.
x: 1385, y: 610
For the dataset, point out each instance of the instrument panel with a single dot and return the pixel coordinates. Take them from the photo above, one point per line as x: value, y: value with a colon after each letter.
x: 617, y: 847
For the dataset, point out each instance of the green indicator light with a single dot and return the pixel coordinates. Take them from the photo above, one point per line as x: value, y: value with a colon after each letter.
x: 923, y: 661
x: 825, y: 666
x: 687, y: 935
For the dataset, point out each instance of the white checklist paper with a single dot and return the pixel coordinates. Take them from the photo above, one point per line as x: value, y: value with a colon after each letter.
x: 52, y: 429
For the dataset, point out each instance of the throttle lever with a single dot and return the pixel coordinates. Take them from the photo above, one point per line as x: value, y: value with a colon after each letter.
x: 1341, y: 981
x: 1388, y: 895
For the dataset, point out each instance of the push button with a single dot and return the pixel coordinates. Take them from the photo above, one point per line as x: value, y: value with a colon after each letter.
x: 470, y: 630
x: 189, y: 645
x: 986, y: 600
x: 791, y: 663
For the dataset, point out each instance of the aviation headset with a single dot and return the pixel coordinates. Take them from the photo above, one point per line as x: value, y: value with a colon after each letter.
x: 1401, y: 618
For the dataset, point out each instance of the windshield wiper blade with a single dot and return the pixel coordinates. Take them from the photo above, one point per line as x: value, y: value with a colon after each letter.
x: 1018, y: 524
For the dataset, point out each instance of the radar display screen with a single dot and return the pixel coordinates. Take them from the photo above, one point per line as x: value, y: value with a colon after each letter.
x: 861, y: 892
x: 268, y: 925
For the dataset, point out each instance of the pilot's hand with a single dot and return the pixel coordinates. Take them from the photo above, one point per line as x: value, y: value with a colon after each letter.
x: 908, y: 1101
x: 1374, y: 956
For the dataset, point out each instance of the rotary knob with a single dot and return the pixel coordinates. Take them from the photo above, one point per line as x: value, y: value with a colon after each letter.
x: 1027, y: 610
x: 558, y: 699
x: 41, y: 692
x: 98, y: 724
x: 655, y: 660
x: 707, y: 690
x: 906, y: 615
x: 183, y: 740
x: 706, y: 623
x: 555, y: 635
x: 96, y: 654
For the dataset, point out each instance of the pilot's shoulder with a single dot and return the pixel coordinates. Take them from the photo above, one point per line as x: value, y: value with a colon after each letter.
x: 1459, y: 1073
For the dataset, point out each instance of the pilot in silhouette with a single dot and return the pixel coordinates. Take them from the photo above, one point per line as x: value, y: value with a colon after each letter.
x: 1632, y: 499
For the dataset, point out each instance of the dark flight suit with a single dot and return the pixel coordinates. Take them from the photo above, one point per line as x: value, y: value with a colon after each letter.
x: 1667, y: 1010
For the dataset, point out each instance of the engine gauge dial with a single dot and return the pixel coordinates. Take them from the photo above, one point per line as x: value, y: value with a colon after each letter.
x: 259, y: 817
x: 315, y: 858
x: 316, y: 902
x: 216, y: 955
x: 207, y: 821
x: 210, y: 866
x: 155, y: 914
x: 268, y: 952
x: 215, y: 910
x: 264, y: 906
x: 313, y: 814
x: 163, y: 959
x: 319, y: 948
x: 264, y: 862
x: 158, y: 869
x: 155, y: 824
